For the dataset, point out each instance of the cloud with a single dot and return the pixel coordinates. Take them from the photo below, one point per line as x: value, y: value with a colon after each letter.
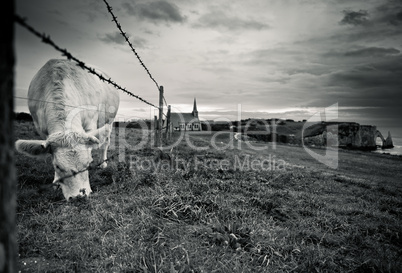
x: 376, y: 83
x: 218, y: 19
x: 372, y: 51
x: 364, y: 52
x: 113, y: 38
x: 299, y: 114
x: 354, y: 17
x: 391, y: 12
x: 117, y: 38
x: 157, y: 11
x: 398, y: 18
x: 366, y: 77
x: 139, y: 42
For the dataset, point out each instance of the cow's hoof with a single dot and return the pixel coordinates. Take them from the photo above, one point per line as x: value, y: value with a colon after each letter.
x: 103, y: 165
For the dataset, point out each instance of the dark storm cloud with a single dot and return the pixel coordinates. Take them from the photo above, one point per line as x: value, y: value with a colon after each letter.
x: 117, y: 38
x: 372, y: 51
x: 218, y: 19
x: 395, y: 19
x: 158, y: 11
x: 391, y: 12
x: 364, y: 52
x: 354, y: 17
x: 372, y: 84
x: 370, y: 76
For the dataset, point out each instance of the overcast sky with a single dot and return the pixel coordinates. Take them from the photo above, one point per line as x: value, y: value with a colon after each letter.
x: 279, y: 58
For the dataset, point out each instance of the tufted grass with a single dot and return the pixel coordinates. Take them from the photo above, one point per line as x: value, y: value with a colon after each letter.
x: 194, y: 217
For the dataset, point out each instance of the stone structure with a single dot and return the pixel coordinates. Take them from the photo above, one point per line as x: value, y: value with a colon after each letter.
x: 387, y: 143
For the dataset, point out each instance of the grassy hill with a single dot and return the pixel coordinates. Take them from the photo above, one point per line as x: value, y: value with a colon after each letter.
x: 211, y: 211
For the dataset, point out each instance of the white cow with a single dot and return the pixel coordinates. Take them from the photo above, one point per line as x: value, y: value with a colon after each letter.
x: 73, y: 110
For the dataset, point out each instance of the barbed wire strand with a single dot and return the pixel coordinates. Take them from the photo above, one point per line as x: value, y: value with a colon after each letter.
x: 47, y: 40
x: 109, y: 8
x: 90, y: 167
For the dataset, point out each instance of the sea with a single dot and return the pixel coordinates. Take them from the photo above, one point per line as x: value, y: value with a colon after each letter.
x: 397, y: 150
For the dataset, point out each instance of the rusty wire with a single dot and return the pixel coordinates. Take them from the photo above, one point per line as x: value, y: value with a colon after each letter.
x: 47, y: 40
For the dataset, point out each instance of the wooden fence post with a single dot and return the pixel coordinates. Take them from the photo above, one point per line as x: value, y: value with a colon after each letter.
x: 156, y: 132
x: 8, y: 183
x: 160, y: 116
x: 168, y: 129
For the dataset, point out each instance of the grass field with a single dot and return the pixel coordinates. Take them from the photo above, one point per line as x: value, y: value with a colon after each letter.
x: 213, y: 211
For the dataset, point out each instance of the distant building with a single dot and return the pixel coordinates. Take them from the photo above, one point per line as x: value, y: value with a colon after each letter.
x: 185, y: 121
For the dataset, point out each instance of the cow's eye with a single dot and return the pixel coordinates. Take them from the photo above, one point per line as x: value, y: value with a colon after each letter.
x: 58, y: 168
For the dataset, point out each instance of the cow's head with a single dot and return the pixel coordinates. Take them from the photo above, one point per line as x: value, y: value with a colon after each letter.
x: 71, y: 156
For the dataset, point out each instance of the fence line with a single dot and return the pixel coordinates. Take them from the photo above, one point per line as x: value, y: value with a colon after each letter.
x: 47, y: 40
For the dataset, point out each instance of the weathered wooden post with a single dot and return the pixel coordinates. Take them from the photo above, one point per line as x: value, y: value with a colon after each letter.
x: 168, y: 129
x: 8, y: 183
x: 160, y: 116
x: 156, y: 131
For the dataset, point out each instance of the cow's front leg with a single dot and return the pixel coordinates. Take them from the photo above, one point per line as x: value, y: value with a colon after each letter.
x: 103, y: 152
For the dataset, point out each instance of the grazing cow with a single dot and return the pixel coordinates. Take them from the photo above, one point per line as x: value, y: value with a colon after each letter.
x: 73, y: 110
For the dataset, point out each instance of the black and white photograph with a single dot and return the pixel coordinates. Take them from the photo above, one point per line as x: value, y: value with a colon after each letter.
x: 201, y: 136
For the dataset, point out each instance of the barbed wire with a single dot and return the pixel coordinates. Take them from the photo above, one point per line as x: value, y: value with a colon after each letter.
x: 47, y: 40
x: 90, y: 167
x: 109, y: 8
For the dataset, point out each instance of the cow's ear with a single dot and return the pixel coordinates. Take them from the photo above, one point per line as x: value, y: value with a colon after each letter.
x: 32, y: 148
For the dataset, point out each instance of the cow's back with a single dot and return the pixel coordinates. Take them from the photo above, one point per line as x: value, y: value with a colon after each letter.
x: 62, y: 89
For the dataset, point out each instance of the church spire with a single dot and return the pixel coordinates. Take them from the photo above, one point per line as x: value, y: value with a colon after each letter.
x: 195, y: 111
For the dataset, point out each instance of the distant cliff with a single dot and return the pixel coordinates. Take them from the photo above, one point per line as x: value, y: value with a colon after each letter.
x: 348, y: 135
